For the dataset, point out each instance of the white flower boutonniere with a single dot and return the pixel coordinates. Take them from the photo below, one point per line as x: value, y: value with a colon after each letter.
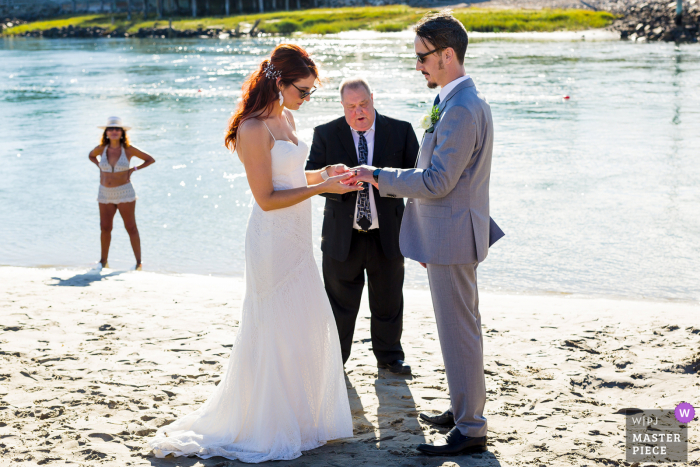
x: 427, y: 122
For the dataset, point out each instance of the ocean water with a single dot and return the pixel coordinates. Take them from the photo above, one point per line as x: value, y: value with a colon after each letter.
x: 598, y: 194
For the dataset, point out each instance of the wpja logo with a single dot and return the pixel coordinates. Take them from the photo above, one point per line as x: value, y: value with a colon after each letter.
x: 684, y: 412
x: 658, y: 435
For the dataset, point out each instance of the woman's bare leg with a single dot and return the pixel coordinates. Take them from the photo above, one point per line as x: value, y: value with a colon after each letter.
x: 128, y: 213
x: 107, y: 212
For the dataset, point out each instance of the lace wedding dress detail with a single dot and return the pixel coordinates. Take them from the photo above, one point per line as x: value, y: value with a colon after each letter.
x: 284, y: 390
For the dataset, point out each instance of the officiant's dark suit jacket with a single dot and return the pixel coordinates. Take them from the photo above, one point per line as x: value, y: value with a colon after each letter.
x: 395, y: 145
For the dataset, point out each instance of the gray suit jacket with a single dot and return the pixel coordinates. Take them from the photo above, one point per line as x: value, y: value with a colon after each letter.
x: 447, y: 220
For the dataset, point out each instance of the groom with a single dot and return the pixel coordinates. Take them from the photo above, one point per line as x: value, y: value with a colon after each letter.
x: 446, y: 226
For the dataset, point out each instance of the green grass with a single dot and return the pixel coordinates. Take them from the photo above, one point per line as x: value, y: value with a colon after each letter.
x: 331, y: 21
x: 532, y: 20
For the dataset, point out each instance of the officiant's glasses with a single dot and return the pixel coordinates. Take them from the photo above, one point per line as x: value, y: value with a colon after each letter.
x: 305, y: 94
x: 421, y: 57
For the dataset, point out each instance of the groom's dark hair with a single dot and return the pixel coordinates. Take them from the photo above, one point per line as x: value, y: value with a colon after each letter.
x: 444, y: 30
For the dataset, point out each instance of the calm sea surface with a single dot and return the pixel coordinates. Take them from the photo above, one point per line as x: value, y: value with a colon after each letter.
x: 599, y: 194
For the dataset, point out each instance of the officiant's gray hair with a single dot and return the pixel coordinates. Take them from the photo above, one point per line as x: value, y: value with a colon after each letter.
x: 354, y: 83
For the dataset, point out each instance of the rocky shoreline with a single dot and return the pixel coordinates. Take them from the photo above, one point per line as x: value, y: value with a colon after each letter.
x: 656, y: 21
x: 7, y: 23
x: 143, y: 33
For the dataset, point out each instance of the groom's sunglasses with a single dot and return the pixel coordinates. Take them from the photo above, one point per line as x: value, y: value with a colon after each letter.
x: 421, y: 57
x: 305, y: 94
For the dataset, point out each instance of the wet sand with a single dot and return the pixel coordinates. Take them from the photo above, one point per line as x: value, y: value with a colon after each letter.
x: 92, y: 364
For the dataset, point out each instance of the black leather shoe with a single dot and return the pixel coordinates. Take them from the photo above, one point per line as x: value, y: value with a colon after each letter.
x: 446, y: 418
x: 454, y: 443
x: 397, y: 367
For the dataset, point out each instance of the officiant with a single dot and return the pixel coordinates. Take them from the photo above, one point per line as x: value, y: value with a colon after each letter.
x: 361, y: 229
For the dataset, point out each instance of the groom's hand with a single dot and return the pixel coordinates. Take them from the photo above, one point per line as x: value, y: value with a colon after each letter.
x: 363, y: 173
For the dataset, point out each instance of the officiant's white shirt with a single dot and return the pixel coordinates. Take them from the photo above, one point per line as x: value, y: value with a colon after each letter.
x: 447, y: 89
x: 369, y: 136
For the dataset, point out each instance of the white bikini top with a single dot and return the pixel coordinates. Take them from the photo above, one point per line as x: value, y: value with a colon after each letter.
x: 122, y: 164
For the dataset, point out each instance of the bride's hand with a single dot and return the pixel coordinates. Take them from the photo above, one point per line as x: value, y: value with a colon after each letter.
x: 335, y: 184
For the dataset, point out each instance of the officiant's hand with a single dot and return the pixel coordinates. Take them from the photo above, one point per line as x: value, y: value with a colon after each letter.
x: 363, y: 173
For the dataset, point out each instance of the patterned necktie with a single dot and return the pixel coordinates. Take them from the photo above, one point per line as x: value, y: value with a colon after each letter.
x: 364, y: 213
x: 437, y: 100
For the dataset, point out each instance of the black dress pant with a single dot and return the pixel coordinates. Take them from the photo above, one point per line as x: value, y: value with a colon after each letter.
x: 344, y: 282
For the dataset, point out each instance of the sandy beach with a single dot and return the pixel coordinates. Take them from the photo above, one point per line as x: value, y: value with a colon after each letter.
x: 93, y: 363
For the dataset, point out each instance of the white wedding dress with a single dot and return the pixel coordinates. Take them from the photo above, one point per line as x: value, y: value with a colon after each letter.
x: 284, y: 390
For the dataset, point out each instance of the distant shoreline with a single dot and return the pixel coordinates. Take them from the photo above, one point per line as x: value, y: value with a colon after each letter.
x: 392, y: 18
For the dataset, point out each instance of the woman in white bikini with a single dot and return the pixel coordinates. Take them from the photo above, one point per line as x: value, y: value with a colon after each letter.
x: 116, y: 192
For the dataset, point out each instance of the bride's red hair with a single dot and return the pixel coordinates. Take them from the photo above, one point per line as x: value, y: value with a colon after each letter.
x: 259, y: 91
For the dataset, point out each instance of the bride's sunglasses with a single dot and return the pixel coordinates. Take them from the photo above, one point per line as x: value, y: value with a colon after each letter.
x: 304, y: 94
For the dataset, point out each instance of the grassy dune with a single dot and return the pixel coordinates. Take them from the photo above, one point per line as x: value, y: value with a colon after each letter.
x: 330, y: 21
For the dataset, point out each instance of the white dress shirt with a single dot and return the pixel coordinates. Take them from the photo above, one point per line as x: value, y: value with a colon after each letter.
x: 369, y: 136
x: 447, y: 89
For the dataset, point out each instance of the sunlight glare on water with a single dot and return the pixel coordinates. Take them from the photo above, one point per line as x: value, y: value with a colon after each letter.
x: 598, y: 194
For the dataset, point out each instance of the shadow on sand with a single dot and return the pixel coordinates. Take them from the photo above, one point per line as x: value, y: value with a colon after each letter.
x: 400, y: 432
x: 85, y: 279
x: 391, y: 442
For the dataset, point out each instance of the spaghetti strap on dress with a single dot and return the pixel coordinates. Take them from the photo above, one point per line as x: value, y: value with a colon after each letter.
x: 268, y: 129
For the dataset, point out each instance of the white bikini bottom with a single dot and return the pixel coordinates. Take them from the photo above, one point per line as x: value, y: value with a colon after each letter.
x: 117, y: 194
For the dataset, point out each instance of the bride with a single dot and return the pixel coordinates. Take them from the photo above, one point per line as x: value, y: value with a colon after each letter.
x: 284, y: 390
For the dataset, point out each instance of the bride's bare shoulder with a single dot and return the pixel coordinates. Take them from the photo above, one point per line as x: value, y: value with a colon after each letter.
x: 253, y: 130
x: 251, y: 126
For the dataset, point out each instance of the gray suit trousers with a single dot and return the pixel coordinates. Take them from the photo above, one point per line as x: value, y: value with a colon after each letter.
x: 456, y: 303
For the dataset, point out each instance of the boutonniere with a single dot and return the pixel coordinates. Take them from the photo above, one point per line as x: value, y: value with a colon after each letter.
x: 428, y: 121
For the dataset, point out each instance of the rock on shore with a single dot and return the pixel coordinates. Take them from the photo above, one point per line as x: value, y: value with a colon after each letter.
x: 6, y: 23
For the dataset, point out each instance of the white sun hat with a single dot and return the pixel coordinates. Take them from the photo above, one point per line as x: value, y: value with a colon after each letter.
x: 115, y: 122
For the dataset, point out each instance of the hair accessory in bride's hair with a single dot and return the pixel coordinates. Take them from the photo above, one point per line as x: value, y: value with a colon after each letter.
x: 270, y: 71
